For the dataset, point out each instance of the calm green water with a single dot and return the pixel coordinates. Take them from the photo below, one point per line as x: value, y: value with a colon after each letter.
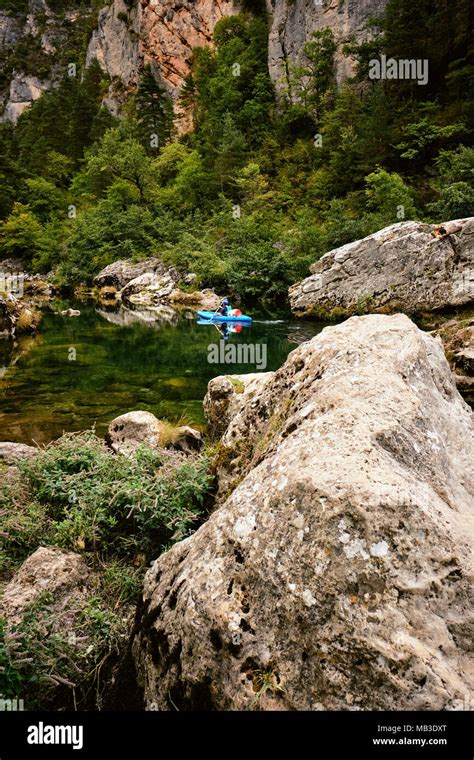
x: 157, y: 366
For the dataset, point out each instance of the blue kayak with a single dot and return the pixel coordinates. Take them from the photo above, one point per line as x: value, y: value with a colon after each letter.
x: 211, y: 316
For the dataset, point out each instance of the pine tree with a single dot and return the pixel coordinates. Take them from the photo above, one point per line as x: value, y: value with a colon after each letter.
x: 154, y: 111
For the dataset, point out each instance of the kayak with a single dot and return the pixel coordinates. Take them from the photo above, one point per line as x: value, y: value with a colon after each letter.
x: 211, y: 316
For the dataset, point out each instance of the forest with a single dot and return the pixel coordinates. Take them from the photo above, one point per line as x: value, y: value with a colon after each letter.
x: 263, y: 183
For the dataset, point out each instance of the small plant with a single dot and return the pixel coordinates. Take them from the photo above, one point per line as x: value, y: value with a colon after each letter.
x: 238, y: 385
x: 34, y: 659
x: 264, y: 681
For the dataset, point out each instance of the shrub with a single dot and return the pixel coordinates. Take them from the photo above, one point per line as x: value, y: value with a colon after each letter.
x: 79, y: 495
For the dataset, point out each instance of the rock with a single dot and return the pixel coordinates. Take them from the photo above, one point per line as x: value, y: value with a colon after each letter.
x: 226, y: 395
x: 150, y: 287
x: 12, y: 453
x: 187, y: 439
x: 24, y: 90
x: 7, y: 320
x: 199, y: 299
x: 115, y: 45
x: 457, y: 336
x: 70, y: 313
x: 337, y: 573
x: 12, y: 266
x: 62, y: 573
x: 121, y: 272
x: 190, y: 278
x: 402, y: 267
x: 127, y: 432
x: 170, y: 31
x: 17, y: 316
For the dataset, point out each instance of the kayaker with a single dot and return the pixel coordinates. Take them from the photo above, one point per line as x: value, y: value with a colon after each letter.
x: 224, y: 308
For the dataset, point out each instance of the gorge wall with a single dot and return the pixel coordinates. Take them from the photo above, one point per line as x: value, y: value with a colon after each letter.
x: 294, y: 21
x: 129, y: 34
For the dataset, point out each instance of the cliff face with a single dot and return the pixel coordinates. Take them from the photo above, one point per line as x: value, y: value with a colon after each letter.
x: 170, y: 29
x: 162, y: 33
x: 294, y: 21
x: 130, y: 33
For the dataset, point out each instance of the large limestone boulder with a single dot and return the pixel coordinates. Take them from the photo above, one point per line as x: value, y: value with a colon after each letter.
x: 337, y: 573
x: 410, y: 266
x: 150, y: 287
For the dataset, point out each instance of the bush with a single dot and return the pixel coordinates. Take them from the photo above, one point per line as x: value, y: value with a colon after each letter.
x: 79, y: 495
x: 455, y: 202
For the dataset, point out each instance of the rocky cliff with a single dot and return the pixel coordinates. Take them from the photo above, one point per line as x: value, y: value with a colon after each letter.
x: 29, y: 45
x: 336, y: 573
x: 132, y: 33
x: 294, y: 21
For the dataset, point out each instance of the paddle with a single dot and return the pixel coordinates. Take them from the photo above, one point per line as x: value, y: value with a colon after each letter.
x: 213, y: 315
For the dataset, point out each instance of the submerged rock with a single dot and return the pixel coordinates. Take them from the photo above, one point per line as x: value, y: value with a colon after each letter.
x: 409, y: 266
x: 337, y: 574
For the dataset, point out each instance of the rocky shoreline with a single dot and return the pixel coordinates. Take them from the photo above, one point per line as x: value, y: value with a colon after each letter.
x: 331, y: 569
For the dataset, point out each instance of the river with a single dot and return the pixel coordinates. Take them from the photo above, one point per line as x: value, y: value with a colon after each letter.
x: 85, y: 370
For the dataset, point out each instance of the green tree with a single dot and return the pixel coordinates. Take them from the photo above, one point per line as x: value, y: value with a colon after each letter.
x: 312, y: 79
x: 388, y: 197
x: 118, y: 156
x: 21, y: 234
x: 154, y: 111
